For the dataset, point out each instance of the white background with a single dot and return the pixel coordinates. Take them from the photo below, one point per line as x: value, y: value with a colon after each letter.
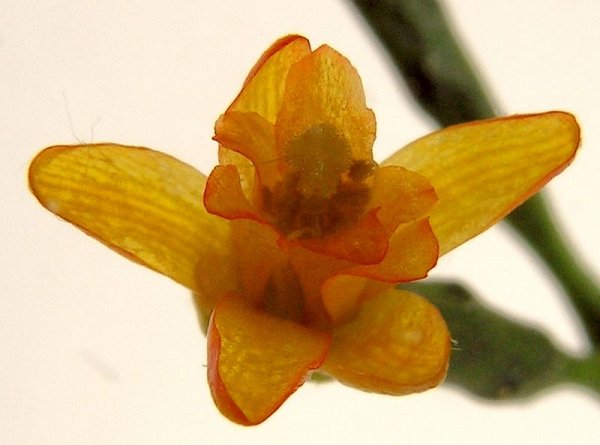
x: 95, y: 349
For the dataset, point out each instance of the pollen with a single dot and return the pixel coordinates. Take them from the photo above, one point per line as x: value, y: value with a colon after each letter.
x: 319, y: 156
x: 323, y: 189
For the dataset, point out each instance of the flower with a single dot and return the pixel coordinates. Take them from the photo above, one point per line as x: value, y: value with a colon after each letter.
x: 294, y: 243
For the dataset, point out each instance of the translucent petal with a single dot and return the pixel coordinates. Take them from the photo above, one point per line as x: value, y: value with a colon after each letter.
x: 255, y: 361
x: 143, y: 204
x: 313, y: 270
x: 401, y: 195
x: 397, y: 344
x: 258, y: 255
x: 224, y: 195
x: 413, y: 251
x: 263, y: 89
x: 483, y: 170
x: 342, y: 296
x: 252, y: 136
x: 261, y: 94
x: 324, y: 88
x: 365, y: 242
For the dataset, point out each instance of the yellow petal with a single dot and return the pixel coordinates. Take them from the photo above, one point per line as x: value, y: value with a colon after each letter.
x: 402, y: 196
x: 255, y: 361
x: 413, y: 251
x: 397, y: 344
x: 342, y: 296
x: 263, y: 89
x: 262, y: 94
x: 224, y: 195
x: 258, y: 255
x: 143, y: 204
x: 254, y: 138
x: 365, y: 242
x: 483, y: 170
x: 313, y: 270
x: 324, y: 88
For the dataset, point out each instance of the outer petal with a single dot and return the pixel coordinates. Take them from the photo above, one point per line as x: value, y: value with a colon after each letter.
x: 397, y: 344
x: 263, y: 89
x: 255, y: 361
x: 483, y: 170
x: 143, y: 204
x: 325, y: 88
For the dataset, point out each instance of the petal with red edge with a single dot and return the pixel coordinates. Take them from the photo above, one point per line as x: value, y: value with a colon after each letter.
x: 263, y: 89
x: 252, y: 136
x: 483, y: 170
x: 412, y: 253
x: 366, y: 242
x: 143, y: 204
x: 324, y: 88
x: 255, y: 361
x: 401, y: 195
x: 397, y: 344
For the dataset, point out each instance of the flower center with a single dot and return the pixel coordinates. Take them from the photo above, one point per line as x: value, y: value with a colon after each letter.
x: 323, y: 189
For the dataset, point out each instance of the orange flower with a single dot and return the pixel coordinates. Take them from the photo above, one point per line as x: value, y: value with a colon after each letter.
x: 296, y: 247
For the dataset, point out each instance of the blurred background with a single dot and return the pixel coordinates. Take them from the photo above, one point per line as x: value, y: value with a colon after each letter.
x: 95, y: 349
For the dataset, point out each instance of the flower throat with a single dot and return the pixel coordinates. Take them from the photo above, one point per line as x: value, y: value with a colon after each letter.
x: 323, y: 189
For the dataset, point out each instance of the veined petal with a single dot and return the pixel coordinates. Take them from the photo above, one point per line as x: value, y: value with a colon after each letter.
x: 255, y: 361
x: 397, y: 344
x: 483, y: 170
x: 263, y: 89
x: 401, y: 195
x: 143, y: 204
x: 324, y: 88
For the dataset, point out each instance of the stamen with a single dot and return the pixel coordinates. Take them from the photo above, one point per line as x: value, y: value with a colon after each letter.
x: 323, y: 190
x: 319, y: 155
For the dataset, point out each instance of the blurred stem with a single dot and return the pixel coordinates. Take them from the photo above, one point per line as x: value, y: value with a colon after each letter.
x: 534, y: 223
x: 420, y: 42
x: 584, y: 372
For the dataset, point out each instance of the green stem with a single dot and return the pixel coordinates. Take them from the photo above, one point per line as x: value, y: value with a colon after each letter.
x: 534, y: 224
x: 438, y: 74
x: 585, y: 372
x: 421, y: 43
